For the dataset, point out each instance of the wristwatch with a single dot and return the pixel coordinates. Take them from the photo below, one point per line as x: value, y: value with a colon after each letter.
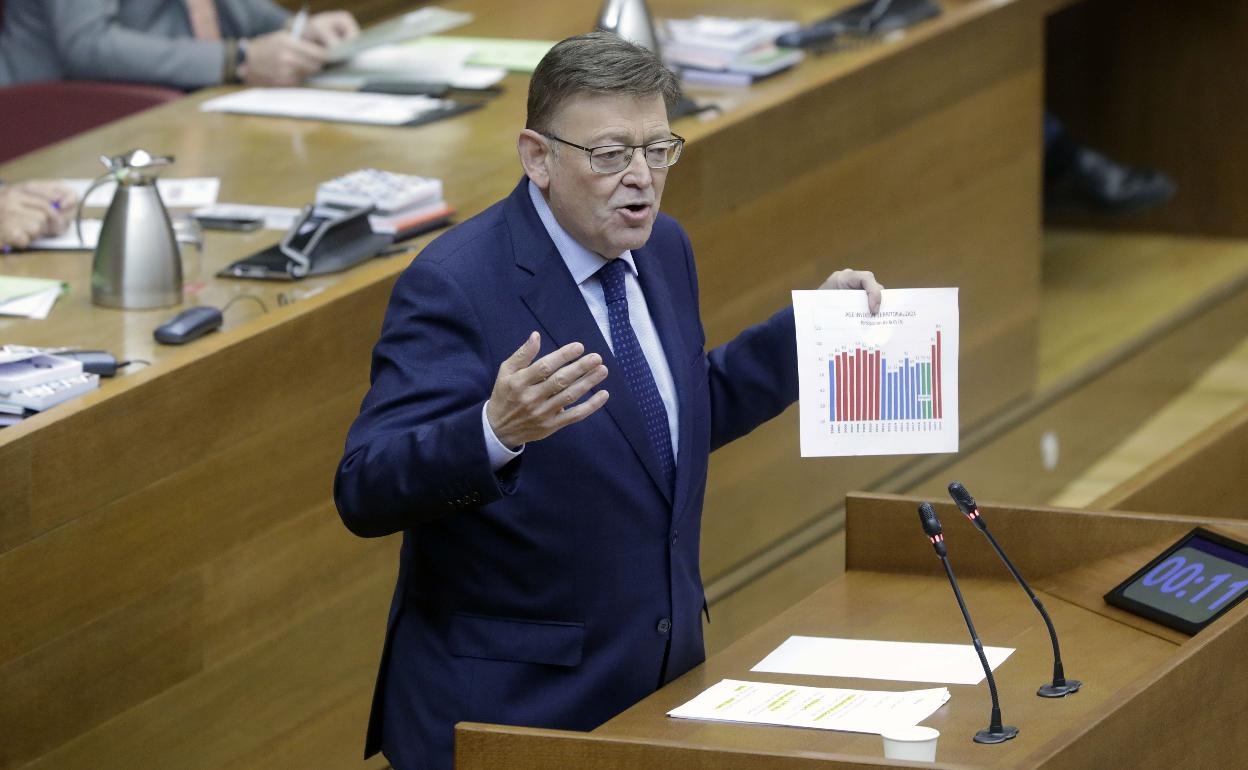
x: 235, y: 60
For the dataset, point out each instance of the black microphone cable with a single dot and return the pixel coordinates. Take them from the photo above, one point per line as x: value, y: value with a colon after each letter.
x: 995, y: 732
x: 1060, y: 686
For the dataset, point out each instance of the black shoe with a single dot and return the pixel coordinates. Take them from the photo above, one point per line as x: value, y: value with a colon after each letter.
x: 1090, y: 183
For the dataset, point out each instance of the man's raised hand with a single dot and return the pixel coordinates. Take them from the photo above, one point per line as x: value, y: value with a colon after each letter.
x: 533, y: 399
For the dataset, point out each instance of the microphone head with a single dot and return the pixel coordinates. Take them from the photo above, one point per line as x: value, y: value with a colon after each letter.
x: 927, y: 517
x: 962, y: 498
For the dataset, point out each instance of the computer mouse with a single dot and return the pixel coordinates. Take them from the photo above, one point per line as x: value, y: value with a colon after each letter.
x: 190, y: 324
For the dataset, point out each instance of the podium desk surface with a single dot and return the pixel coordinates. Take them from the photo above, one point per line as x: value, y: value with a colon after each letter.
x: 1106, y: 655
x: 1136, y: 674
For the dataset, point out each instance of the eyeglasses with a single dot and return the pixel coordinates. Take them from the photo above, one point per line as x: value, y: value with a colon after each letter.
x: 614, y: 158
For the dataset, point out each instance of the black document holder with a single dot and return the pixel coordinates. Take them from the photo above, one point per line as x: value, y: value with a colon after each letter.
x: 337, y: 244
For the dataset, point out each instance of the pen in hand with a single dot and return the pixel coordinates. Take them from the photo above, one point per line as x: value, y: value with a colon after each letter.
x: 300, y: 21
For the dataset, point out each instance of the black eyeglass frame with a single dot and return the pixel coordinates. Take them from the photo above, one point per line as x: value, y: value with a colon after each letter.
x: 680, y: 146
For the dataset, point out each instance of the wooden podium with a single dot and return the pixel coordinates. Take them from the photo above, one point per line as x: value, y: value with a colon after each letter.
x: 1152, y: 697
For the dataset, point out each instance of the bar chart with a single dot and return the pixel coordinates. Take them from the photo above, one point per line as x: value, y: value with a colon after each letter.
x: 864, y: 385
x: 884, y: 383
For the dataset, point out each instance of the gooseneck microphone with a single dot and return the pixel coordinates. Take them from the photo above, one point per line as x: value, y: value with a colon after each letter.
x: 995, y: 732
x: 1060, y: 686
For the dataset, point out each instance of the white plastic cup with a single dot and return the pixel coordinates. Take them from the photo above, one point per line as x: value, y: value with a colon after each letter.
x: 917, y: 743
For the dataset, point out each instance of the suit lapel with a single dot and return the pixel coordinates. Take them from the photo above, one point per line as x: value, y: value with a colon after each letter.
x: 547, y: 289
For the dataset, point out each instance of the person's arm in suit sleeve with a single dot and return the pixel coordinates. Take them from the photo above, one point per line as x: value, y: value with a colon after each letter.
x: 753, y: 377
x: 417, y: 451
x: 93, y: 46
x: 264, y: 16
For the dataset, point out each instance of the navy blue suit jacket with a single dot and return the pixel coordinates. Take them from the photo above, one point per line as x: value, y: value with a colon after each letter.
x: 548, y: 594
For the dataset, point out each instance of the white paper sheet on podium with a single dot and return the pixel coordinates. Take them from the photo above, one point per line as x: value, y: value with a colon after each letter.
x: 823, y: 708
x: 868, y: 659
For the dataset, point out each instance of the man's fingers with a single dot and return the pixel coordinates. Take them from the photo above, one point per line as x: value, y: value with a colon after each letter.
x: 577, y: 388
x: 523, y: 355
x: 866, y: 281
x: 582, y: 410
x: 572, y: 372
x: 543, y: 368
x: 332, y: 27
x: 857, y: 279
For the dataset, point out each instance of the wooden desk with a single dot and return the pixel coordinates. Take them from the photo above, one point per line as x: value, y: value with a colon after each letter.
x: 1137, y: 675
x: 174, y: 579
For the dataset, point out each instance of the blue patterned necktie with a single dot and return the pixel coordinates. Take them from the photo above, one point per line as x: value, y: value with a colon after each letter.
x: 636, y: 370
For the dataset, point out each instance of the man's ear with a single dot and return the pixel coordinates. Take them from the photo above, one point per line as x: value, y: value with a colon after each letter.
x: 535, y: 156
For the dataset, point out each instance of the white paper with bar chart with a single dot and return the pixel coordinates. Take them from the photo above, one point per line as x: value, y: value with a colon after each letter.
x: 877, y: 384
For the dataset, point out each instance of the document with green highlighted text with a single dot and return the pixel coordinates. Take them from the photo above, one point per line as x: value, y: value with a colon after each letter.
x: 821, y: 708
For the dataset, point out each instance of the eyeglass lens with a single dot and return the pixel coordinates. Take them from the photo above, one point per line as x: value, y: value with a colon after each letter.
x: 616, y: 157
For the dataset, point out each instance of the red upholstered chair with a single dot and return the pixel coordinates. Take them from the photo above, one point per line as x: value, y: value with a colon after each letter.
x: 36, y: 114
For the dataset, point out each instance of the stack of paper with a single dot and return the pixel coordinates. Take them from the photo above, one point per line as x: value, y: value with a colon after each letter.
x: 714, y: 50
x: 323, y: 104
x: 823, y: 708
x: 28, y: 297
x: 509, y: 54
x: 409, y: 26
x: 412, y: 63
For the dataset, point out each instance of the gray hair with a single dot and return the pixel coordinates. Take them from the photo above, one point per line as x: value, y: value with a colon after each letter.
x: 599, y: 63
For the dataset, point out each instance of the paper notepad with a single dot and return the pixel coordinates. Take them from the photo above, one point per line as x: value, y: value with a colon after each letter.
x: 68, y: 240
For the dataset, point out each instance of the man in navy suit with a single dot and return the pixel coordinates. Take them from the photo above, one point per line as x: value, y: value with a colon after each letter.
x: 539, y: 424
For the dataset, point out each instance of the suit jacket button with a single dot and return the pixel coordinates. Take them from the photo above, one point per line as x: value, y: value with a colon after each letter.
x: 664, y: 627
x: 675, y: 535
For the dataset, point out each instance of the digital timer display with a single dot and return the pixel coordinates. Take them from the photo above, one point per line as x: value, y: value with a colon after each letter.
x: 1190, y: 584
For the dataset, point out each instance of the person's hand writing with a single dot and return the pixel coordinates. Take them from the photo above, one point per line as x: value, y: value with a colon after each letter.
x: 857, y: 279
x: 30, y: 210
x: 533, y: 399
x: 331, y: 27
x: 277, y: 59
